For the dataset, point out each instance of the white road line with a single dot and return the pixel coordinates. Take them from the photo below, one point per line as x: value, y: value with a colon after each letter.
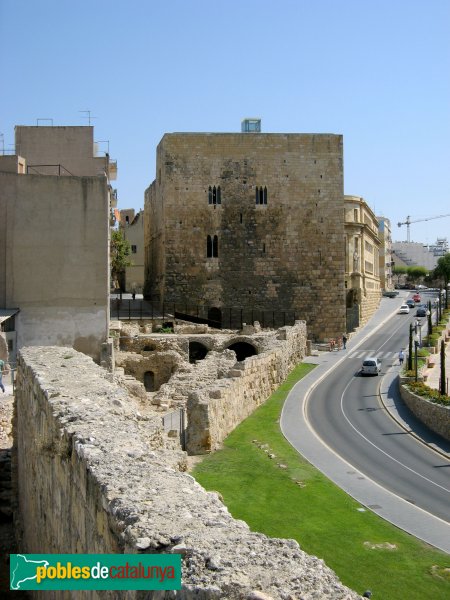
x: 380, y: 450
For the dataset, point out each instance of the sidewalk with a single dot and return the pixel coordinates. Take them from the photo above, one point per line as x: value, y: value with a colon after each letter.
x: 434, y: 374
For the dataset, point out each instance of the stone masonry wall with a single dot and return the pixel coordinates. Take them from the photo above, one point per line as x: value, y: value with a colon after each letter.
x: 434, y: 416
x: 213, y: 411
x: 369, y: 304
x: 287, y: 254
x: 91, y: 478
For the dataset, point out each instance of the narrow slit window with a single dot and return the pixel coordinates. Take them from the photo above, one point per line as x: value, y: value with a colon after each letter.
x: 209, y: 247
x: 215, y: 247
x: 219, y: 198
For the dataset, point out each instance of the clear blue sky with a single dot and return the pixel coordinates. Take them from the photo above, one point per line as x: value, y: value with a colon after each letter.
x: 375, y: 71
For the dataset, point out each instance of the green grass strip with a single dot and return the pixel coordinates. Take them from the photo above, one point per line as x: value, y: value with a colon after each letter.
x: 297, y: 501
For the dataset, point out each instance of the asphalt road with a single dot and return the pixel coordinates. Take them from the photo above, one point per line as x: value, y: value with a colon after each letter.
x: 346, y: 413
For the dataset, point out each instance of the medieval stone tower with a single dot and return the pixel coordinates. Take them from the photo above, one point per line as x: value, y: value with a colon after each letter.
x: 251, y: 221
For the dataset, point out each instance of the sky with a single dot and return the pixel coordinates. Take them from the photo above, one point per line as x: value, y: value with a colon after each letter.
x: 375, y: 71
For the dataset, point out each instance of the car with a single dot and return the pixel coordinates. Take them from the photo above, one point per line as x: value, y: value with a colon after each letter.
x: 416, y: 298
x: 421, y: 311
x: 371, y: 366
x: 404, y: 309
x: 390, y: 293
x: 410, y: 302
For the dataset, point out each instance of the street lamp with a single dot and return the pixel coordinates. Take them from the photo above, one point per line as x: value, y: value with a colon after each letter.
x: 419, y: 326
x: 416, y: 345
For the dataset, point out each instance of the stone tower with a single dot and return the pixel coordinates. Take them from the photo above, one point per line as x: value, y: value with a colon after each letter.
x: 249, y: 220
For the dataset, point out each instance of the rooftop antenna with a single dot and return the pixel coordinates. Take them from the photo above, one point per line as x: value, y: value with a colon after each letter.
x: 2, y: 136
x: 51, y: 121
x: 87, y: 116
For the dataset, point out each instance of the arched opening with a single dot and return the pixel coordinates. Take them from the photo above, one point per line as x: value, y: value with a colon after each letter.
x: 197, y: 351
x: 243, y: 350
x: 215, y: 316
x: 149, y: 381
x: 148, y: 348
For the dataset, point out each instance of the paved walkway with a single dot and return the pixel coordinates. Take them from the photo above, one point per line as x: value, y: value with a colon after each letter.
x: 434, y: 374
x: 297, y: 431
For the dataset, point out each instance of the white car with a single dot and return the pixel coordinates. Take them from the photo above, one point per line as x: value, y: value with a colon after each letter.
x: 404, y: 309
x: 371, y: 366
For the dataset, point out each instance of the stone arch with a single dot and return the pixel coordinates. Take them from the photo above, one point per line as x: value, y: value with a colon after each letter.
x: 148, y: 348
x: 149, y: 381
x: 242, y: 350
x: 197, y: 351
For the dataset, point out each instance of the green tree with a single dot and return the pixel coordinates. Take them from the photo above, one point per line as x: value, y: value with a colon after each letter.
x: 399, y: 271
x: 442, y: 270
x: 120, y: 250
x: 416, y: 273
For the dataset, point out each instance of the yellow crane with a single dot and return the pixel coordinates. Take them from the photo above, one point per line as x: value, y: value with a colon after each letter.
x: 408, y: 223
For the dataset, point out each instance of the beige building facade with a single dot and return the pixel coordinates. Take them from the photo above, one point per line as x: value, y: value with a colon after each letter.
x: 54, y: 240
x: 386, y: 259
x: 249, y: 221
x: 362, y: 261
x: 132, y: 227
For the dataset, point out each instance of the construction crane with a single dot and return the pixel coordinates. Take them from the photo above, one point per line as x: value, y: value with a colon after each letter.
x: 408, y: 223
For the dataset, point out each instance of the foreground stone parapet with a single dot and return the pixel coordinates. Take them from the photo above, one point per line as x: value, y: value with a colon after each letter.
x: 93, y: 476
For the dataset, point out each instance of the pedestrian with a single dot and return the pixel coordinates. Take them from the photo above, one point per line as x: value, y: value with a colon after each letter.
x: 401, y: 357
x: 2, y: 366
x: 133, y: 295
x: 344, y: 341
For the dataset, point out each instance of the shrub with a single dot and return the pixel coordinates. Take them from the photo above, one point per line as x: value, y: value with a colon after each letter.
x: 431, y: 394
x: 423, y: 352
x: 433, y: 339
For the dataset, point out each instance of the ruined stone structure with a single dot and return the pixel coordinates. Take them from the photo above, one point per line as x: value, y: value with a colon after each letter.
x: 216, y: 379
x: 250, y: 221
x: 96, y: 476
x: 362, y: 262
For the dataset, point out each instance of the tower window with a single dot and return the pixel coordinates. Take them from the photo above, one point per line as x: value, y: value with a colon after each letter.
x: 212, y: 246
x: 261, y: 195
x: 214, y: 195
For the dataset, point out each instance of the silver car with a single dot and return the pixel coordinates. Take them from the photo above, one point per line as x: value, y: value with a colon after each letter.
x: 371, y: 366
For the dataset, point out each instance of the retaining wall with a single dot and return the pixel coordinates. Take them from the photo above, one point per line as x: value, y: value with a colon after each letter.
x: 434, y: 416
x: 93, y: 475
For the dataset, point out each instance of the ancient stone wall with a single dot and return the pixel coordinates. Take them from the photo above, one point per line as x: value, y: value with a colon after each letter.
x: 435, y: 416
x: 93, y: 476
x: 279, y: 225
x: 370, y: 301
x: 214, y: 410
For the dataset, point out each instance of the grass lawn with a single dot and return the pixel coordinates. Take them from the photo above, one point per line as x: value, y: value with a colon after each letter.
x: 299, y: 502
